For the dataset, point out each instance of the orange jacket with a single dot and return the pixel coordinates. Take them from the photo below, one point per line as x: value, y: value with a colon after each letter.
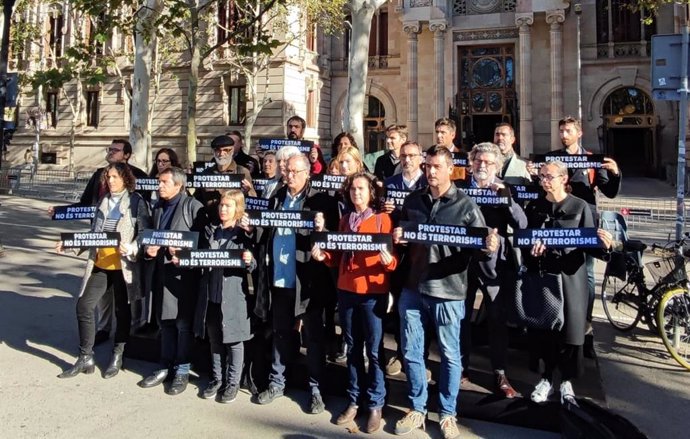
x: 365, y: 273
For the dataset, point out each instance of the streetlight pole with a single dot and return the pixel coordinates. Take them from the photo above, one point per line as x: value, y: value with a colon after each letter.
x: 682, y: 128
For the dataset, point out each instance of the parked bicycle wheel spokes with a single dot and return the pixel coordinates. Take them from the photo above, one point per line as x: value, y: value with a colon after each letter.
x: 621, y: 302
x: 673, y: 320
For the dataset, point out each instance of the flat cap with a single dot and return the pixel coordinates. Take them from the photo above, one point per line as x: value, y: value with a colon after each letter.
x: 222, y: 141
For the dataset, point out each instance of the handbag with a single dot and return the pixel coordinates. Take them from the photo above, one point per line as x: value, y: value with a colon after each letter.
x: 539, y: 300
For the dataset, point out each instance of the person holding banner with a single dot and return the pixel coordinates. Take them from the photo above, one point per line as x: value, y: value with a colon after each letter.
x: 291, y: 286
x: 562, y: 349
x: 124, y: 211
x: 242, y: 158
x: 389, y: 163
x: 223, y: 150
x: 222, y: 308
x: 318, y: 163
x: 435, y: 285
x: 363, y: 285
x: 493, y: 197
x: 174, y: 288
x: 295, y: 127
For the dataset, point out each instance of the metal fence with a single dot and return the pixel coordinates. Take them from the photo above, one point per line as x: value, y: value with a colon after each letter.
x: 43, y: 183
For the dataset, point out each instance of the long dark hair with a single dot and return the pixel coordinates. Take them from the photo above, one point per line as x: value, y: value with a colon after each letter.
x: 174, y: 161
x: 373, y: 192
x: 124, y: 171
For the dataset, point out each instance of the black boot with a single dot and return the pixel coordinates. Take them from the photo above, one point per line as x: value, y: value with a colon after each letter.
x: 85, y: 364
x: 115, y: 362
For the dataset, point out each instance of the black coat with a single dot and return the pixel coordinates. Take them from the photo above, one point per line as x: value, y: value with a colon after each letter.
x: 234, y: 305
x: 313, y: 278
x: 572, y: 212
x: 90, y: 195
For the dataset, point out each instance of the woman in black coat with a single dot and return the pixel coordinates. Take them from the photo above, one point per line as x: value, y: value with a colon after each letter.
x: 558, y: 209
x: 222, y: 308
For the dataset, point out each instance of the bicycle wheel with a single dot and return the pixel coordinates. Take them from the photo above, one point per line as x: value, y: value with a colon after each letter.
x: 673, y: 319
x: 621, y: 302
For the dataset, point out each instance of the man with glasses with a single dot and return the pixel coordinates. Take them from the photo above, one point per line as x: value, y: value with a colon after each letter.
x: 223, y: 151
x: 514, y: 170
x: 389, y: 163
x: 291, y: 285
x: 119, y: 151
x: 486, y: 159
x: 584, y: 184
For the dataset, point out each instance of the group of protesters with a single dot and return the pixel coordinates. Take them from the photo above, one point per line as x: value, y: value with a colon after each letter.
x: 408, y: 246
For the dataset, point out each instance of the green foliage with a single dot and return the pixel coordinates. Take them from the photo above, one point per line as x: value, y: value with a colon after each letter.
x: 650, y: 8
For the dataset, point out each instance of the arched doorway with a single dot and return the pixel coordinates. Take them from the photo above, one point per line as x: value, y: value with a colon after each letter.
x: 628, y: 132
x: 374, y: 125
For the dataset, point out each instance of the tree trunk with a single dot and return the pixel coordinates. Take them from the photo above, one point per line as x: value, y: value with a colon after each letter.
x: 145, y: 41
x: 194, y: 65
x: 358, y: 67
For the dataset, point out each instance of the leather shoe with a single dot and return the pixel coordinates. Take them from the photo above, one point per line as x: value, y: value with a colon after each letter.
x: 178, y: 385
x: 503, y: 385
x: 154, y: 379
x: 348, y: 415
x: 374, y: 421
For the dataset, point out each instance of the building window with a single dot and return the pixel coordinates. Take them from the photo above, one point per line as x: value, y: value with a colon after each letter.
x: 93, y: 25
x: 237, y: 105
x: 52, y: 108
x: 311, y: 36
x: 378, y: 39
x: 618, y: 25
x: 311, y: 108
x: 55, y: 24
x: 92, y: 105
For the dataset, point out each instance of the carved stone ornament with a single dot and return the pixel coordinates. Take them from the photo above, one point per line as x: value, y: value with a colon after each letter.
x: 440, y: 26
x: 483, y: 6
x: 419, y: 3
x: 411, y: 27
x: 486, y: 34
x: 524, y: 19
x: 555, y: 17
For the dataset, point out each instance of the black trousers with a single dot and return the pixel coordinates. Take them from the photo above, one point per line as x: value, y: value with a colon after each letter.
x: 567, y: 358
x: 97, y: 285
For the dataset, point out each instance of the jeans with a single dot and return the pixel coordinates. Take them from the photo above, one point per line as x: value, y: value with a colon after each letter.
x: 417, y: 313
x: 226, y: 358
x: 361, y: 316
x: 589, y: 262
x: 99, y: 282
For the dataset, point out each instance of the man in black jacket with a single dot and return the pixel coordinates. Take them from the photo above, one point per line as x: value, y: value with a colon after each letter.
x: 242, y: 158
x: 174, y: 288
x: 387, y: 164
x: 292, y: 287
x: 434, y: 291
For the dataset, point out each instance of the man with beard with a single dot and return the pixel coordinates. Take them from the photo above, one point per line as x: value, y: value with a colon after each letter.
x: 242, y: 158
x: 445, y: 136
x: 223, y: 150
x: 295, y: 128
x: 486, y: 159
x: 514, y: 170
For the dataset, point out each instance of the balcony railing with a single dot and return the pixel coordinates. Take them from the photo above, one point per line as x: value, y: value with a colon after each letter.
x: 633, y: 49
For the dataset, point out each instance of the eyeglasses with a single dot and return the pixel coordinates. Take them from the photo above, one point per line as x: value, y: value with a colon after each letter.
x: 162, y: 161
x: 484, y: 162
x: 289, y: 172
x: 113, y: 150
x: 219, y: 151
x: 548, y: 177
x: 408, y: 156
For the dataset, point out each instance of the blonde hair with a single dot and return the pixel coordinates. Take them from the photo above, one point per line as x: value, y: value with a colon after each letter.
x: 353, y: 151
x: 238, y: 197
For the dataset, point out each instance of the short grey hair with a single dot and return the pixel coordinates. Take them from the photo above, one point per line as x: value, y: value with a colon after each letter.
x: 286, y: 152
x: 178, y: 176
x: 490, y: 148
x: 302, y: 158
x: 561, y: 167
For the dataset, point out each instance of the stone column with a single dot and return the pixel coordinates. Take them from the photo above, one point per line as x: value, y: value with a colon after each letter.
x: 439, y: 30
x: 524, y: 22
x: 412, y: 29
x: 555, y: 19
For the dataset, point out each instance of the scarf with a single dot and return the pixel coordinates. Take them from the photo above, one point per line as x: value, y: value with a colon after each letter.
x: 355, y: 220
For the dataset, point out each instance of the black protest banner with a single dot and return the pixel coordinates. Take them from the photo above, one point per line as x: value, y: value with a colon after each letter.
x: 572, y: 161
x: 557, y: 238
x: 328, y: 182
x: 146, y: 184
x: 275, y: 144
x: 294, y: 219
x: 523, y: 193
x: 487, y: 197
x: 63, y: 213
x: 460, y: 159
x: 90, y: 239
x: 170, y: 238
x: 256, y: 203
x: 397, y: 196
x: 213, y: 258
x: 444, y: 234
x: 199, y: 167
x: 352, y: 242
x: 215, y: 181
x: 259, y: 184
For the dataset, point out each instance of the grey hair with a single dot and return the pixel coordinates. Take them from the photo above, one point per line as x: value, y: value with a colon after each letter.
x: 561, y: 167
x: 303, y: 158
x: 178, y: 176
x: 286, y: 152
x: 488, y: 147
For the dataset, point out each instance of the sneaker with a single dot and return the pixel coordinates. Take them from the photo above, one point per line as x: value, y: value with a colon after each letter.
x: 394, y: 366
x: 316, y: 404
x: 228, y: 395
x: 268, y: 395
x: 542, y: 391
x: 428, y: 375
x: 410, y: 422
x: 567, y: 394
x: 211, y: 390
x: 449, y: 427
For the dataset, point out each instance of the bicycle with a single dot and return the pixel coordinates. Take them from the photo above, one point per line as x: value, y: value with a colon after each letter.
x: 673, y: 320
x: 624, y: 293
